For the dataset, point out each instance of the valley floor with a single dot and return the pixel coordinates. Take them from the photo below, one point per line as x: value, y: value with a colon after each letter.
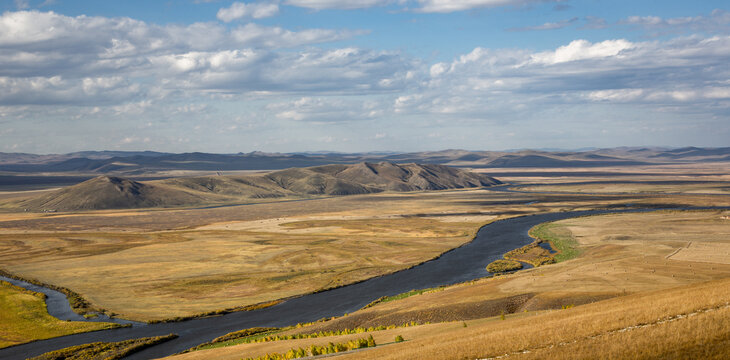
x: 656, y: 281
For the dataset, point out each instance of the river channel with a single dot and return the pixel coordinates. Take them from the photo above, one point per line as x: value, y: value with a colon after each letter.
x: 465, y: 263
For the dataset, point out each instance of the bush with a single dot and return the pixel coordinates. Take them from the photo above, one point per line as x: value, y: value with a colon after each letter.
x: 500, y: 266
x: 399, y: 339
x: 315, y: 350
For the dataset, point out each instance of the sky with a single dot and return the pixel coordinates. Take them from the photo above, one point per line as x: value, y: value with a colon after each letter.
x: 357, y: 76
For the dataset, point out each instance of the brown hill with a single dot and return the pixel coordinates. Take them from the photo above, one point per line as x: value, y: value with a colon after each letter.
x: 106, y: 192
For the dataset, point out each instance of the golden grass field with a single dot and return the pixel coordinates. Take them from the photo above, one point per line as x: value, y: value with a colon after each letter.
x: 24, y: 318
x: 691, y: 321
x: 154, y: 264
x: 142, y: 259
x: 636, y: 298
x: 133, y: 262
x: 700, y: 188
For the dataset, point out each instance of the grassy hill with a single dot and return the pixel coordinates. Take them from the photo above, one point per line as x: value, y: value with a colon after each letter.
x: 105, y: 192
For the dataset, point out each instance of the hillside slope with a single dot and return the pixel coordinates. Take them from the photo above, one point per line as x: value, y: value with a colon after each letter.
x: 106, y: 192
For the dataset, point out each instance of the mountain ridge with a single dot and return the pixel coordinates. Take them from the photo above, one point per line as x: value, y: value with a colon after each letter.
x: 112, y: 192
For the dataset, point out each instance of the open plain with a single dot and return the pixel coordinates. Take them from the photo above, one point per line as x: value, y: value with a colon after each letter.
x: 166, y: 263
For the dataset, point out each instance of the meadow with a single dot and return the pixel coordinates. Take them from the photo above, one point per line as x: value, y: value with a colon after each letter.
x: 156, y: 264
x: 244, y: 256
x: 623, y: 296
x: 24, y: 318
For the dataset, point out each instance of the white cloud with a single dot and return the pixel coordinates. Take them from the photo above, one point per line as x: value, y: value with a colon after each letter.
x: 487, y: 84
x: 58, y: 90
x: 620, y: 95
x: 272, y: 37
x: 716, y: 22
x: 548, y: 25
x: 72, y: 59
x: 583, y: 50
x: 447, y: 6
x: 337, y: 4
x: 327, y: 109
x: 239, y: 10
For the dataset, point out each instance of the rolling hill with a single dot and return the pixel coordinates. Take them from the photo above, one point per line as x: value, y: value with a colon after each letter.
x: 107, y: 192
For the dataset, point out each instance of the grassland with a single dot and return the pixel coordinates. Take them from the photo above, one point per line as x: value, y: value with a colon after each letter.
x: 680, y: 187
x: 133, y: 262
x: 690, y: 321
x: 560, y: 239
x: 24, y: 318
x: 623, y: 296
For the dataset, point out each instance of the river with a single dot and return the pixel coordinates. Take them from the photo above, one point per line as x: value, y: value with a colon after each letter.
x: 465, y: 263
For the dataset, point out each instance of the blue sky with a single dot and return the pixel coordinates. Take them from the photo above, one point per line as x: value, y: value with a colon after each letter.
x: 369, y: 75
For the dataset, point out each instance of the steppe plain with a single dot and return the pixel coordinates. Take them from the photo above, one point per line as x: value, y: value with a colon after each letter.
x: 655, y: 282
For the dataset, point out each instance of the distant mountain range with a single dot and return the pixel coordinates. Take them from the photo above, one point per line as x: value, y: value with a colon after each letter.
x: 149, y: 163
x: 105, y: 192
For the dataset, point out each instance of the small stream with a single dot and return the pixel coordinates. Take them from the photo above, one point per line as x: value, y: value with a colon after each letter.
x: 59, y: 307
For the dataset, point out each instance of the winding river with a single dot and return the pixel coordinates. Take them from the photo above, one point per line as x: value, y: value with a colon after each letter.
x: 461, y: 264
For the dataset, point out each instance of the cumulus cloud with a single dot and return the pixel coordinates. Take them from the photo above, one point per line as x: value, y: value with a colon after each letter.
x: 582, y: 50
x: 81, y: 59
x: 239, y: 10
x: 683, y: 72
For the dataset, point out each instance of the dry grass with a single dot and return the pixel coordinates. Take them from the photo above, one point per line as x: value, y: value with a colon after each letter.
x: 23, y: 318
x: 136, y: 274
x: 711, y: 252
x: 610, y: 265
x: 626, y: 327
x: 679, y: 188
x: 236, y: 262
x: 132, y: 262
x: 647, y: 325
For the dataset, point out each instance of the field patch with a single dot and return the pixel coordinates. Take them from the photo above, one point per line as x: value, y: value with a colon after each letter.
x: 709, y: 252
x: 23, y: 318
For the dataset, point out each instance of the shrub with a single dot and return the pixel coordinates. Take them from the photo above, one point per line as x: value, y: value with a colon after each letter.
x: 399, y: 339
x: 499, y: 266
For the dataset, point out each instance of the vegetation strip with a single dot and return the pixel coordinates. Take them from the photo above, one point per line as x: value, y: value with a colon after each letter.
x: 78, y: 304
x: 261, y: 335
x: 104, y: 350
x: 532, y: 254
x: 621, y: 330
x: 24, y: 318
x: 500, y: 266
x: 314, y: 350
x: 404, y: 295
x: 566, y: 246
x: 230, y: 337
